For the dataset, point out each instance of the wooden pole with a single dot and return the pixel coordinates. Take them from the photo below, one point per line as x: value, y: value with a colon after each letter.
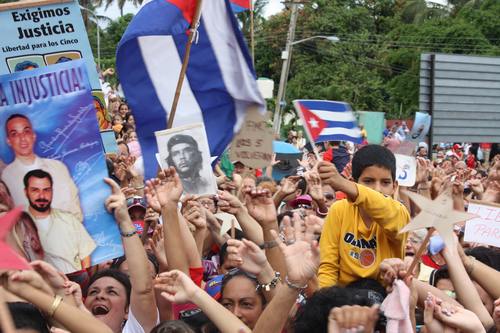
x: 252, y: 36
x: 420, y: 251
x: 192, y: 34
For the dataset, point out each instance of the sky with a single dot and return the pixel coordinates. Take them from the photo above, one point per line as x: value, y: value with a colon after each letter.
x: 113, y: 12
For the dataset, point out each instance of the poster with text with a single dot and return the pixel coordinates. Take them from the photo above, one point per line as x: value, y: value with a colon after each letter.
x: 35, y: 35
x: 54, y: 167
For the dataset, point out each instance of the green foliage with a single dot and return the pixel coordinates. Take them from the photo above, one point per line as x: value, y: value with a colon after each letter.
x: 376, y: 64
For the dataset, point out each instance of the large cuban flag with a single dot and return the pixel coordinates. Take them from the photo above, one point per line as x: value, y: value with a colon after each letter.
x: 240, y: 5
x: 328, y: 120
x: 220, y: 82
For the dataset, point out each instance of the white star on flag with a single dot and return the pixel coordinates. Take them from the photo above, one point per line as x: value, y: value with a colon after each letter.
x: 313, y: 122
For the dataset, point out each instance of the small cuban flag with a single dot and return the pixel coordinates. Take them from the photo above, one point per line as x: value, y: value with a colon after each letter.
x: 328, y: 120
x: 240, y: 5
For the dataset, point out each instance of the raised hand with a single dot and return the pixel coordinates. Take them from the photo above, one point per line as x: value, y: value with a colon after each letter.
x: 157, y: 245
x: 246, y: 255
x: 49, y: 273
x: 18, y: 280
x: 302, y: 252
x: 423, y: 170
x: 329, y: 174
x: 260, y: 206
x: 74, y: 289
x: 314, y: 185
x: 116, y: 202
x: 229, y: 203
x: 165, y: 189
x: 194, y: 213
x: 176, y: 286
x: 453, y: 316
x: 353, y: 317
x: 290, y: 185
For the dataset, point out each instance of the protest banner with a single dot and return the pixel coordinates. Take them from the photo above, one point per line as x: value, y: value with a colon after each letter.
x: 406, y: 170
x: 55, y: 166
x: 36, y: 34
x: 186, y: 149
x: 253, y: 145
x: 484, y: 229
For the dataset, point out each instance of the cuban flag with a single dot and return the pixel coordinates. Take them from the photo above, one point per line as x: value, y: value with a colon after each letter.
x: 240, y: 5
x: 220, y: 82
x: 328, y: 120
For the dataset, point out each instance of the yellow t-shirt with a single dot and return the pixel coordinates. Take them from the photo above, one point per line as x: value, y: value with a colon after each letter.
x: 351, y: 251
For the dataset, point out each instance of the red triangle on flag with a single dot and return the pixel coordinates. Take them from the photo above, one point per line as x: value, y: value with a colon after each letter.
x: 313, y: 123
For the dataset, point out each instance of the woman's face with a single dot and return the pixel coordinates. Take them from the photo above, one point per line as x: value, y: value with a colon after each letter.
x: 117, y: 120
x: 239, y: 297
x: 107, y: 301
x: 123, y: 109
x: 131, y: 120
x: 115, y: 105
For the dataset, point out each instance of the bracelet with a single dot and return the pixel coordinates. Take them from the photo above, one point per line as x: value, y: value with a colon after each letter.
x: 294, y: 286
x: 470, y: 267
x: 128, y: 234
x: 55, y: 304
x: 270, y: 285
x: 269, y: 245
x: 321, y: 214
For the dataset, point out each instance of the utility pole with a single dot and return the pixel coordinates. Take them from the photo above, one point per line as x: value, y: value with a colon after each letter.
x: 286, y: 55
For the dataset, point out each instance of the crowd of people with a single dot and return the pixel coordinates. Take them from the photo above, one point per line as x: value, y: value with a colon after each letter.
x: 319, y: 250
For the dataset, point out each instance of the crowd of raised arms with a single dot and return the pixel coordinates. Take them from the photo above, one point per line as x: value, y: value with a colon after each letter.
x: 318, y: 251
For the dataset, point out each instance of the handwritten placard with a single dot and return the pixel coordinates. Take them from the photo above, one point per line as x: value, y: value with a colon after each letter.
x: 406, y: 170
x: 253, y: 145
x: 484, y: 229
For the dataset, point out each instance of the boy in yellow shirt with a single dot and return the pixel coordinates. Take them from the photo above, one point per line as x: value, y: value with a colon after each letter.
x: 362, y: 230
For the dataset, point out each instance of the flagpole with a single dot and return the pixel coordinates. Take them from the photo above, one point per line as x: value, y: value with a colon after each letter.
x: 193, y: 31
x: 252, y: 39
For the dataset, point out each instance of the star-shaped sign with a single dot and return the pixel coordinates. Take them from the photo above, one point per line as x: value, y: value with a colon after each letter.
x: 437, y: 213
x: 228, y: 220
x: 9, y: 259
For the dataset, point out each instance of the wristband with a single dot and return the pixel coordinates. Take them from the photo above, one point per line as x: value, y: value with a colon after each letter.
x: 269, y: 245
x: 55, y: 304
x: 294, y: 286
x: 128, y: 234
x: 270, y: 285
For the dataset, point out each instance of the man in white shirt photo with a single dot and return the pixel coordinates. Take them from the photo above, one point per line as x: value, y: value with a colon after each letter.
x: 21, y: 138
x: 65, y: 240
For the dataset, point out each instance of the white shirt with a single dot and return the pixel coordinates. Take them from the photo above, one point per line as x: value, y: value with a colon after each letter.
x: 65, y: 192
x: 65, y: 240
x: 133, y: 326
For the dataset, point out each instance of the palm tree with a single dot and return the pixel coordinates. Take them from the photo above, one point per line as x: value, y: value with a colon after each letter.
x: 258, y: 16
x: 121, y: 4
x: 417, y: 11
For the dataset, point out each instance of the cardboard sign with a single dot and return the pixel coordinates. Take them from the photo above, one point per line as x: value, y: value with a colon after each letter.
x: 253, y: 145
x: 52, y: 110
x: 406, y: 170
x: 486, y: 228
x: 36, y: 34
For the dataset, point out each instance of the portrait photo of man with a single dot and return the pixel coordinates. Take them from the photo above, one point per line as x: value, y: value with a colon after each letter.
x: 65, y: 241
x: 21, y: 138
x: 186, y: 149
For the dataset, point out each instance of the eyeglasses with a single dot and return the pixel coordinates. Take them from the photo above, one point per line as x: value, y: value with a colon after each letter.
x: 235, y: 272
x: 328, y: 196
x: 304, y: 206
x: 136, y: 201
